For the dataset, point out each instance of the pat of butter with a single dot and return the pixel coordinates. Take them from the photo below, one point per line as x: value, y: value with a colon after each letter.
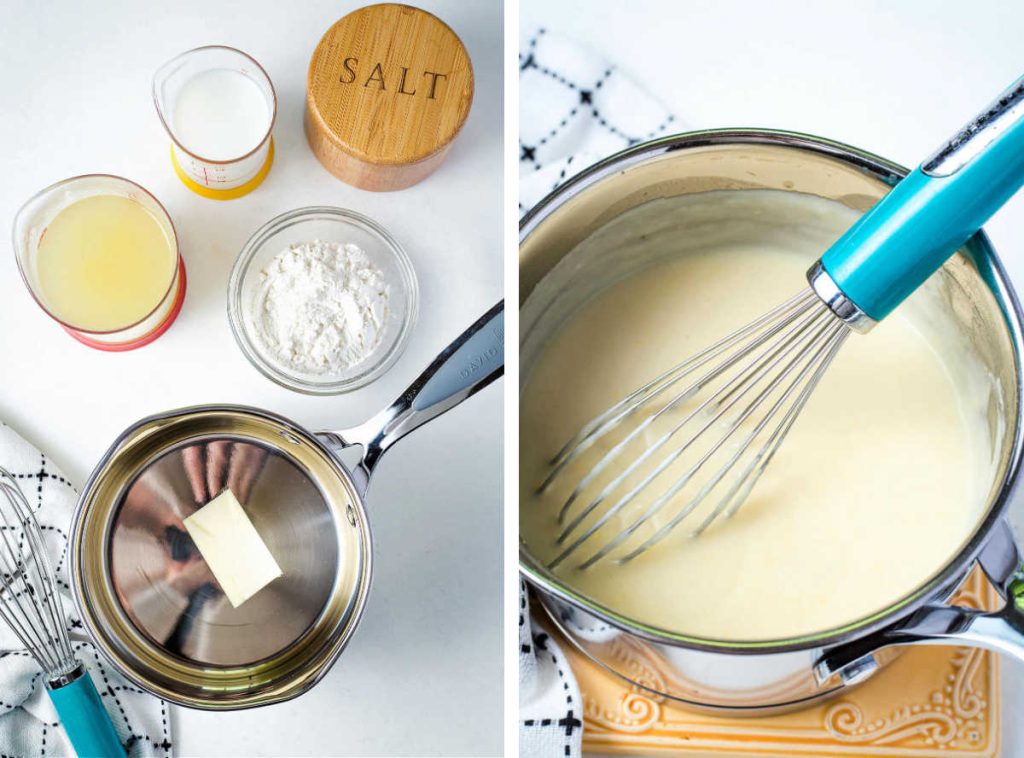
x: 232, y: 548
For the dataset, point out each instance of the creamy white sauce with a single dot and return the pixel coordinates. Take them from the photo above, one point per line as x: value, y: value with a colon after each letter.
x: 880, y: 481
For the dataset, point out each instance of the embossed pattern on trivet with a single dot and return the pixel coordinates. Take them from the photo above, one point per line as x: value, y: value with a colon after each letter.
x: 931, y: 701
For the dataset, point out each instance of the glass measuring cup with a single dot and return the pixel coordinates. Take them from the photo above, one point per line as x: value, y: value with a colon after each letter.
x: 221, y: 178
x: 31, y: 224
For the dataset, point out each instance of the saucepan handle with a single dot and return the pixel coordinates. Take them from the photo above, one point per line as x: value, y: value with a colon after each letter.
x: 937, y: 624
x: 1002, y: 630
x: 465, y: 367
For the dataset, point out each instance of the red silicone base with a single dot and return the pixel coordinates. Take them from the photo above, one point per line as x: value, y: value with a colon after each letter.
x: 120, y: 347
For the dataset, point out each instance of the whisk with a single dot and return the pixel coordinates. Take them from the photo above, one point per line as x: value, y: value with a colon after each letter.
x: 722, y: 414
x: 31, y: 606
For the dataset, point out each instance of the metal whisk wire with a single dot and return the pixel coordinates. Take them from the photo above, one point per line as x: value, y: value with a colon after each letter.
x: 30, y: 604
x: 780, y: 357
x: 598, y: 426
x: 798, y: 338
x: 29, y: 600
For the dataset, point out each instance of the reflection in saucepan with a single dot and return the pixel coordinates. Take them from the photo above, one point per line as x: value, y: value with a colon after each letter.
x: 168, y: 590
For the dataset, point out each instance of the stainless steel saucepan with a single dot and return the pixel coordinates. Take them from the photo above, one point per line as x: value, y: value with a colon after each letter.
x: 768, y: 676
x: 149, y: 601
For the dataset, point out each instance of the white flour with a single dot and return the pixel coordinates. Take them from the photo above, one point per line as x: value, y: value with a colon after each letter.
x: 322, y: 307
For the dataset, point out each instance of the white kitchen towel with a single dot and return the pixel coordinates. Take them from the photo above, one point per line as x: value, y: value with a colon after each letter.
x: 550, y: 706
x: 575, y: 108
x: 28, y: 722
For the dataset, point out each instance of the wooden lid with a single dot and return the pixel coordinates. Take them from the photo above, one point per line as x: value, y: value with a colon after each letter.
x: 388, y: 86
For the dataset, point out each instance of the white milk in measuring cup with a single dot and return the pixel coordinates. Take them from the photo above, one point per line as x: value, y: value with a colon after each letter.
x: 218, y: 105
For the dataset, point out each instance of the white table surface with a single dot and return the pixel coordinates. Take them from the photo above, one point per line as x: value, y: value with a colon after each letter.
x: 423, y: 674
x: 895, y: 78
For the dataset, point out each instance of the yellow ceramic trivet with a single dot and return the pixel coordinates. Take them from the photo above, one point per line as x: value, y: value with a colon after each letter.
x: 931, y: 701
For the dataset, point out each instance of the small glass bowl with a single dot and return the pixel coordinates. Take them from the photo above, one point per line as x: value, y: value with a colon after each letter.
x: 330, y: 225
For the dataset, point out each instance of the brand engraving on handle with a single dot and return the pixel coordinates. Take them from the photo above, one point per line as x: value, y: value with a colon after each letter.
x: 485, y: 359
x: 425, y: 83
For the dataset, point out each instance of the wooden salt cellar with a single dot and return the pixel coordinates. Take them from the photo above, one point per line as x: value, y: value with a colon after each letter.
x: 389, y: 88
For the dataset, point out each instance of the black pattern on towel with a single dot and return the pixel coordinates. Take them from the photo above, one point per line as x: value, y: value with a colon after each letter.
x: 28, y: 723
x: 574, y: 109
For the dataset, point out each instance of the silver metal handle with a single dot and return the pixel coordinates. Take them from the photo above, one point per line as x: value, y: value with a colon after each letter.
x: 937, y: 624
x: 978, y: 133
x: 465, y: 367
x: 1001, y: 630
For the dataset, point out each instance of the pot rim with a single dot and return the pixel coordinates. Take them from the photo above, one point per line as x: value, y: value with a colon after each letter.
x: 956, y: 568
x: 296, y: 683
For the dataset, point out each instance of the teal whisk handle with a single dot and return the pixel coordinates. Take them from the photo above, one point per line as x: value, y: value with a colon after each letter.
x: 911, y: 232
x: 84, y: 718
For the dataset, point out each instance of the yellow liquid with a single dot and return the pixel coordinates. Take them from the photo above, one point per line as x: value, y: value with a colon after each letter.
x: 104, y: 263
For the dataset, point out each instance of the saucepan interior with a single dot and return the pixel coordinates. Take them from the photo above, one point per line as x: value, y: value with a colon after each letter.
x: 146, y: 596
x: 970, y: 291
